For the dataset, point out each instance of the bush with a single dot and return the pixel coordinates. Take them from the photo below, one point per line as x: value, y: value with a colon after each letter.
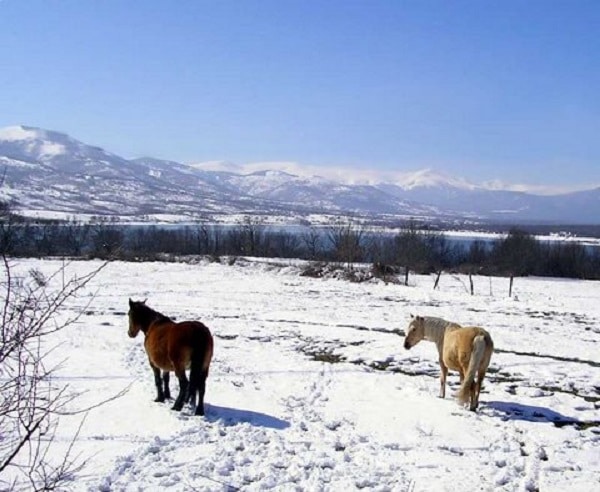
x: 29, y: 399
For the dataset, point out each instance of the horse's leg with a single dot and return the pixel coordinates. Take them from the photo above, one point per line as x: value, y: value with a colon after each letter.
x: 183, y: 387
x: 198, y: 376
x: 481, y: 372
x: 201, y: 391
x: 192, y: 388
x: 477, y: 390
x: 166, y: 389
x: 160, y: 395
x: 474, y: 395
x: 195, y: 384
x: 443, y: 374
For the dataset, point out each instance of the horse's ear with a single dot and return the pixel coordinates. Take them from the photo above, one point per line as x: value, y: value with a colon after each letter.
x: 144, y: 301
x: 130, y: 302
x: 412, y: 316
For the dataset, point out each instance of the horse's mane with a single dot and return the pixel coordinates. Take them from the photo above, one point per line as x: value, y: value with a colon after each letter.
x: 436, y: 327
x: 439, y: 323
x: 145, y: 315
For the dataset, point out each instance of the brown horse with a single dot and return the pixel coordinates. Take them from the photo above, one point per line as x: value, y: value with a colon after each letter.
x: 174, y: 347
x: 467, y: 350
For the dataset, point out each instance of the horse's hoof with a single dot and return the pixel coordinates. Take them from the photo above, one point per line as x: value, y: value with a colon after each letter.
x: 159, y: 400
x: 177, y: 408
x: 199, y: 411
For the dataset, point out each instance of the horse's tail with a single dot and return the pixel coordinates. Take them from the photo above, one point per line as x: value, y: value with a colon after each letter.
x: 201, y: 356
x: 481, y: 343
x: 201, y: 361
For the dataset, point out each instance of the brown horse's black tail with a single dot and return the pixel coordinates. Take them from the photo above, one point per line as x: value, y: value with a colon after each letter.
x: 202, y: 352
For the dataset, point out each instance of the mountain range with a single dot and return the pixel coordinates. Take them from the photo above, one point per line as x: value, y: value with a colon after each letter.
x: 50, y: 174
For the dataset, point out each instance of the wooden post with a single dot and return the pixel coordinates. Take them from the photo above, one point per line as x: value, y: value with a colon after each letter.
x: 406, y: 276
x: 510, y: 286
x: 471, y: 283
x: 437, y: 280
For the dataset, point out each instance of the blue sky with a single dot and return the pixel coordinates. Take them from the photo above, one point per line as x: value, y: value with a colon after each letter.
x: 482, y: 89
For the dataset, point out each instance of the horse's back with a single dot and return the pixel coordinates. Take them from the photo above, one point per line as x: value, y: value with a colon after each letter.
x: 191, y: 332
x: 196, y: 336
x: 476, y: 331
x: 458, y: 345
x: 171, y: 342
x: 465, y: 335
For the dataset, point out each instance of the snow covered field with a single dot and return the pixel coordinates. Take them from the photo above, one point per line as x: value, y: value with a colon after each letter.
x: 311, y: 389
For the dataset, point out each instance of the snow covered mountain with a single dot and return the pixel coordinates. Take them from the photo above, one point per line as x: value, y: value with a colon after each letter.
x: 48, y: 173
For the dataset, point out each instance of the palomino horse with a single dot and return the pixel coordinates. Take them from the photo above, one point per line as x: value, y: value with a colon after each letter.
x: 467, y: 350
x: 174, y: 347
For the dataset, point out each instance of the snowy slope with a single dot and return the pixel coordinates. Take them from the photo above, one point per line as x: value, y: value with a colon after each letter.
x: 310, y: 388
x: 47, y: 171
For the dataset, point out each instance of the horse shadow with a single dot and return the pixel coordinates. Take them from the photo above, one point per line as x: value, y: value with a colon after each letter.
x: 234, y: 416
x: 529, y: 413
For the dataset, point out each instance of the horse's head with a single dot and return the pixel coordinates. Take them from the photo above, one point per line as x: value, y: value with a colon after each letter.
x: 136, y: 317
x: 415, y: 332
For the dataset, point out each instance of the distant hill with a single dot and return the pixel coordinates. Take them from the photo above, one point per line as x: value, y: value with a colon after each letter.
x: 49, y: 174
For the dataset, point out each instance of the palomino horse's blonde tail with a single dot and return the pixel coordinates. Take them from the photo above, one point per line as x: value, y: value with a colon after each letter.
x: 467, y: 388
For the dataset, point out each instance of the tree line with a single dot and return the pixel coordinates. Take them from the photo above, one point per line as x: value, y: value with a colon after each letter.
x: 414, y: 247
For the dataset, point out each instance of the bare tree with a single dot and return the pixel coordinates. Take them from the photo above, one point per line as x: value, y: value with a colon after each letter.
x: 347, y: 242
x: 73, y: 237
x: 30, y: 400
x: 10, y: 228
x: 107, y: 238
x: 203, y: 240
x: 410, y: 249
x: 517, y: 254
x: 253, y: 232
x: 283, y: 244
x: 313, y: 242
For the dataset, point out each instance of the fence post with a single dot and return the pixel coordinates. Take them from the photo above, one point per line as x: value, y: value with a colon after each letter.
x: 437, y: 280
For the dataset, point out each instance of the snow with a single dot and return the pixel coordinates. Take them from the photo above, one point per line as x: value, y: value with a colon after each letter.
x: 536, y: 189
x: 431, y: 179
x: 17, y: 163
x: 35, y: 140
x: 341, y: 174
x: 217, y: 166
x: 17, y: 133
x: 494, y: 236
x: 311, y: 389
x: 407, y: 180
x: 47, y: 149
